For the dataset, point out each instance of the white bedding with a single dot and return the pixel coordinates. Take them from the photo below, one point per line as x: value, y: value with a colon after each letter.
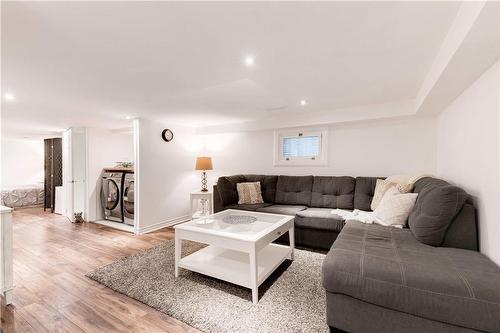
x: 357, y: 214
x: 360, y: 216
x: 22, y: 196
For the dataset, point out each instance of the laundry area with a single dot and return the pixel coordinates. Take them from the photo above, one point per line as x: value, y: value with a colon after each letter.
x: 85, y: 174
x: 111, y: 178
x: 117, y: 195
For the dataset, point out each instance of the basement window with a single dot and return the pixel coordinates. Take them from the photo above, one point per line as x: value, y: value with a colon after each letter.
x: 300, y: 147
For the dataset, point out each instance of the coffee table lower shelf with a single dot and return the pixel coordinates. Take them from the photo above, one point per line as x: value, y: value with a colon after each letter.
x: 234, y: 266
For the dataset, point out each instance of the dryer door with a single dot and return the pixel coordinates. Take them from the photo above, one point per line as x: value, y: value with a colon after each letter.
x: 128, y: 199
x: 111, y: 194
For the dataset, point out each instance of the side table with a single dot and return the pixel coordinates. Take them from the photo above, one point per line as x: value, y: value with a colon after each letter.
x: 206, y: 203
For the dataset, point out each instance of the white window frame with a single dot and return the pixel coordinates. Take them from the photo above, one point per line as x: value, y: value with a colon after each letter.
x: 280, y: 160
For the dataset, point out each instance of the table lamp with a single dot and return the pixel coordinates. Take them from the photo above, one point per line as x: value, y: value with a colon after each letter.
x: 204, y: 163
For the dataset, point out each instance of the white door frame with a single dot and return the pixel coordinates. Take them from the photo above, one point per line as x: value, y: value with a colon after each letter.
x: 68, y: 173
x: 137, y: 178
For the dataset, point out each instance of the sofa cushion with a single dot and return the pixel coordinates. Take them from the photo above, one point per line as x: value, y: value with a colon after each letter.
x: 252, y: 207
x: 462, y: 232
x: 282, y: 209
x: 349, y: 314
x: 428, y: 183
x: 364, y: 191
x: 388, y: 267
x: 267, y: 185
x: 320, y: 219
x: 333, y: 192
x: 227, y: 188
x: 434, y: 210
x: 294, y: 190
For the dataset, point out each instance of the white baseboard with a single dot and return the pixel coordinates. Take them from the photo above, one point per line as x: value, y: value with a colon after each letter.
x: 163, y: 224
x: 116, y: 225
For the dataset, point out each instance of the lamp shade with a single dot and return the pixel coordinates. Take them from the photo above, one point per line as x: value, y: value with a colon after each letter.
x: 203, y: 163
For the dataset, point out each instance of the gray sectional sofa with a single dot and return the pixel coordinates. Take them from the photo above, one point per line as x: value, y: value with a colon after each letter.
x: 309, y: 198
x: 429, y: 277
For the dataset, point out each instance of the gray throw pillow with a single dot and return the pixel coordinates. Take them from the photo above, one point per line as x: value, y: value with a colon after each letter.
x: 433, y: 212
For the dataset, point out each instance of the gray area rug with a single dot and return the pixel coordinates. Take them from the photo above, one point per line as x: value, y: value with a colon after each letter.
x: 290, y: 300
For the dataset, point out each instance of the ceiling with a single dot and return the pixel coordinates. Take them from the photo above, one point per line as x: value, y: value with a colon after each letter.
x: 96, y: 63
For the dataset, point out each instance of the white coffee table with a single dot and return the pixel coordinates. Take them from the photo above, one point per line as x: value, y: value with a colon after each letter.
x: 238, y: 253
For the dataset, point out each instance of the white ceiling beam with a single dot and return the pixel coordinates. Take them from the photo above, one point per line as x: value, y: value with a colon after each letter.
x: 471, y: 46
x: 338, y: 116
x: 466, y: 16
x: 123, y: 130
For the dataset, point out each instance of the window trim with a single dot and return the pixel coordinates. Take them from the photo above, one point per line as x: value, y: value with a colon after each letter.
x: 321, y: 160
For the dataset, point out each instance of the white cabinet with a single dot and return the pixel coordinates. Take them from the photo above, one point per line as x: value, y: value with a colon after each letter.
x: 6, y: 264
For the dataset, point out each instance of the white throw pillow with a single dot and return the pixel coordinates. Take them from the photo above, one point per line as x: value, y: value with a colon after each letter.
x: 394, y: 208
x: 249, y: 193
x: 407, y: 179
x: 401, y: 179
x: 382, y: 186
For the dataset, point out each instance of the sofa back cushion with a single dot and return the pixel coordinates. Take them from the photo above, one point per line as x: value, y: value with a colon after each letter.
x: 333, y: 192
x: 462, y: 232
x: 294, y: 190
x: 227, y: 188
x: 428, y: 183
x: 267, y: 185
x: 364, y: 191
x: 437, y: 205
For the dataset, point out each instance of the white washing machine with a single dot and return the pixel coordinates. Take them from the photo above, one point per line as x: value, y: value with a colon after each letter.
x: 111, y: 196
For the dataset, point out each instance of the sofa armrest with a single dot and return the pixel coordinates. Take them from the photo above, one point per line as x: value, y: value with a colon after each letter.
x: 218, y: 204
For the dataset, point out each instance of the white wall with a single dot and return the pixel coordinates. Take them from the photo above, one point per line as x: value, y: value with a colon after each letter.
x: 468, y: 152
x: 378, y: 148
x: 164, y: 174
x: 22, y: 162
x: 104, y: 149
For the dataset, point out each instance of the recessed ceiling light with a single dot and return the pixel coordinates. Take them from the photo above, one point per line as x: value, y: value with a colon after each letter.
x: 249, y: 61
x: 128, y: 117
x: 9, y: 96
x: 303, y: 102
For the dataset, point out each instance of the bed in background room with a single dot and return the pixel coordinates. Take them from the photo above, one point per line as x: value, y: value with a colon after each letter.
x: 22, y: 196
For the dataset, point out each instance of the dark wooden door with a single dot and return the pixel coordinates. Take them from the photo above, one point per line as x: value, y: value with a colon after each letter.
x: 53, y: 170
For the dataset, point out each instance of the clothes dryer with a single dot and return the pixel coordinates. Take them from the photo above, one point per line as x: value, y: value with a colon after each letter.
x: 111, y: 196
x: 128, y: 198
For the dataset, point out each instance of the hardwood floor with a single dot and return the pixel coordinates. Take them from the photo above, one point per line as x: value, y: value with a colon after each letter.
x: 52, y: 294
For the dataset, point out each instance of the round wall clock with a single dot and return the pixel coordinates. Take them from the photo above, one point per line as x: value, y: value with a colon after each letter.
x: 167, y: 135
